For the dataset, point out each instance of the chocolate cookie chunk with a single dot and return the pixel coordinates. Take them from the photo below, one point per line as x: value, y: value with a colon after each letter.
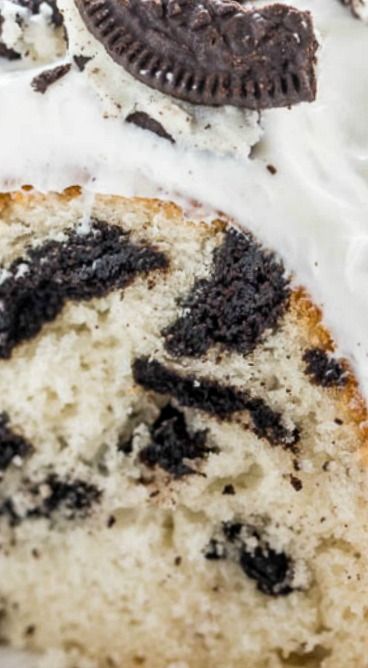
x: 323, y: 369
x: 12, y: 445
x: 146, y: 122
x: 171, y: 444
x: 215, y: 52
x: 79, y: 268
x: 215, y: 399
x: 271, y: 570
x: 42, y: 81
x: 243, y: 298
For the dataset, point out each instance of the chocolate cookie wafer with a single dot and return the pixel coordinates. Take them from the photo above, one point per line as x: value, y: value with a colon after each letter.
x: 213, y: 53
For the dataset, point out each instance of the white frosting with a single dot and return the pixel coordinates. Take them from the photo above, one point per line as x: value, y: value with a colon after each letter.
x: 313, y: 211
x: 224, y: 130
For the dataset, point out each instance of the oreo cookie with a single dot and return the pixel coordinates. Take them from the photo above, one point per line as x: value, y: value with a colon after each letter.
x: 43, y: 81
x: 172, y: 446
x: 213, y: 53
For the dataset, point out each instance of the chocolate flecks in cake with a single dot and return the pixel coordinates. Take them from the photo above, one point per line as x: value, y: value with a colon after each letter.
x: 229, y: 490
x: 215, y: 550
x: 12, y: 445
x: 146, y: 122
x: 8, y: 510
x: 171, y: 444
x: 272, y: 571
x: 125, y: 445
x: 268, y: 424
x: 81, y: 61
x: 215, y: 399
x: 74, y: 497
x: 215, y: 52
x: 232, y: 530
x: 323, y: 369
x: 296, y: 483
x: 244, y: 297
x: 43, y: 81
x: 80, y: 268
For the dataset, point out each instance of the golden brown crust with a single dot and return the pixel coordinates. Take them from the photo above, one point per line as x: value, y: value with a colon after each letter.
x: 349, y: 397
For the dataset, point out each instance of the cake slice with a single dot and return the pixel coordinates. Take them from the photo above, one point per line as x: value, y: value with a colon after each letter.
x: 182, y: 452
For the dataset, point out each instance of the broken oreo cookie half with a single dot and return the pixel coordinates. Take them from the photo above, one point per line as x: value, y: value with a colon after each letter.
x: 213, y: 53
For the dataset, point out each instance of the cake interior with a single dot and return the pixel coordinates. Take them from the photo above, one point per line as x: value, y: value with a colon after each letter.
x: 181, y: 453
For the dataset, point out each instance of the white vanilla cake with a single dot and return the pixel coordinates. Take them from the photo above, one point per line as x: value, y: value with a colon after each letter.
x: 182, y: 455
x: 183, y: 334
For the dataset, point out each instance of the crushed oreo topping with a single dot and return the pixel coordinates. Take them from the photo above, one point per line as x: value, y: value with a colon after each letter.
x: 43, y: 81
x: 8, y: 54
x: 12, y: 445
x: 34, y: 6
x: 172, y: 445
x: 215, y: 52
x: 215, y: 399
x: 271, y: 570
x: 243, y: 298
x: 146, y: 122
x: 5, y: 52
x: 81, y: 61
x: 80, y: 268
x: 323, y: 369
